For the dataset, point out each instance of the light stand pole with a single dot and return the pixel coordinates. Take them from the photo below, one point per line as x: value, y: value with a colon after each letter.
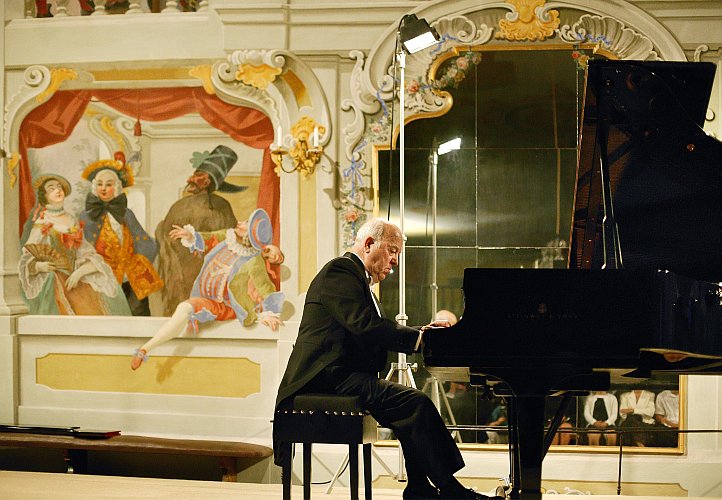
x: 402, y: 366
x: 414, y: 35
x: 437, y: 390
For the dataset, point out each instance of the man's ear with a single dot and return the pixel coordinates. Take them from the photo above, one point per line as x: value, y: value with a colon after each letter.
x: 368, y: 242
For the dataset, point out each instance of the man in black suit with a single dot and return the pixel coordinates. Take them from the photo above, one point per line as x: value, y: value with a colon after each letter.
x: 342, y: 344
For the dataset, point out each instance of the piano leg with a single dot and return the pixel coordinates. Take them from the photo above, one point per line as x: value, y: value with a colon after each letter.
x: 529, y: 416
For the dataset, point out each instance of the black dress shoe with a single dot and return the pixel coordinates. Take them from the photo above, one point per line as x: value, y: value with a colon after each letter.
x: 428, y: 493
x: 465, y: 494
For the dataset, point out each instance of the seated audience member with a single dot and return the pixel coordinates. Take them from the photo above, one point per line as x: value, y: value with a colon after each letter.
x: 600, y: 412
x: 666, y: 413
x: 498, y: 418
x: 636, y: 411
x: 563, y: 436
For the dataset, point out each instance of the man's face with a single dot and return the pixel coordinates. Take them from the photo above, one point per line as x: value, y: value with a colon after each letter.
x: 381, y: 257
x: 273, y: 254
x: 198, y: 182
x: 105, y: 183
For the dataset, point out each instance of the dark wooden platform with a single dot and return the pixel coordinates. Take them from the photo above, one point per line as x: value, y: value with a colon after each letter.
x: 76, y: 449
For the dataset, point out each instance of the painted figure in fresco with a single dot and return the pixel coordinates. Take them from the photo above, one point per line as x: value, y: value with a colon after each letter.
x: 234, y: 281
x: 115, y: 233
x: 59, y: 270
x: 205, y: 211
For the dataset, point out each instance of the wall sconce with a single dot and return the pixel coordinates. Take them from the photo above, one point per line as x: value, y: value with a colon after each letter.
x: 303, y: 156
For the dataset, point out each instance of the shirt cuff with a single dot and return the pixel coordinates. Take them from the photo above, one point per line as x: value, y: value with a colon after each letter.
x: 418, y: 341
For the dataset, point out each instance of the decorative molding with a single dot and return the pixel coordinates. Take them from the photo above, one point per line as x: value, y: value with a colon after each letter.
x: 698, y: 51
x: 258, y: 68
x: 57, y: 77
x: 12, y: 166
x: 114, y: 129
x: 169, y: 375
x: 203, y: 73
x: 611, y: 35
x: 284, y: 100
x: 528, y: 20
x: 281, y: 86
x: 37, y: 80
x: 607, y: 24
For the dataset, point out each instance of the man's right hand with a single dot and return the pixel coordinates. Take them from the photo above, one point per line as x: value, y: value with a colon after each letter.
x: 178, y: 233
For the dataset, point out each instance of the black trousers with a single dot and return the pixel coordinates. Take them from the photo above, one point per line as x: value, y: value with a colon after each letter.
x: 138, y: 307
x: 429, y: 450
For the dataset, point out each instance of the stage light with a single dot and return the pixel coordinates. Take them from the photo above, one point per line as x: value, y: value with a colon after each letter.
x: 451, y: 145
x: 415, y: 34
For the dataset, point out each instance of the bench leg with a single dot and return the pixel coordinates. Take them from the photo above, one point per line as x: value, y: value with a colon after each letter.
x: 307, y: 471
x: 367, y: 471
x: 229, y: 468
x: 353, y: 470
x: 286, y: 470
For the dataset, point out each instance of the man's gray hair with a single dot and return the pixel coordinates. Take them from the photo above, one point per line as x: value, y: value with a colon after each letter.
x: 374, y: 228
x: 116, y: 181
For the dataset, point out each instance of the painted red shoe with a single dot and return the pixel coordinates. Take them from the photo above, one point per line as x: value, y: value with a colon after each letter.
x: 138, y: 358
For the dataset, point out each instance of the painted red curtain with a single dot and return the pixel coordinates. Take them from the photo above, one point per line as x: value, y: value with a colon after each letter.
x: 53, y: 121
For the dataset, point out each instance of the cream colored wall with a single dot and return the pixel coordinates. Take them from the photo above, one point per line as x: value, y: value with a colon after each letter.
x: 321, y: 32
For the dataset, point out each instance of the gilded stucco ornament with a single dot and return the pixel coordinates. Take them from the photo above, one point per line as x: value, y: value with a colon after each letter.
x: 529, y: 20
x: 57, y: 77
x: 256, y: 67
x: 227, y: 87
x: 114, y: 129
x: 203, y: 73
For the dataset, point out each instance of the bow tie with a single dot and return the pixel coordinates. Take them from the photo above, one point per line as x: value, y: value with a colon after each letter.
x: 116, y: 207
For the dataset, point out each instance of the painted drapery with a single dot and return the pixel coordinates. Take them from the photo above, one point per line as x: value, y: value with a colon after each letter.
x: 53, y: 121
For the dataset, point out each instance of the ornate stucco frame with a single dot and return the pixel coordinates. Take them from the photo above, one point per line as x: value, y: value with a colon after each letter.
x: 275, y: 82
x: 616, y: 27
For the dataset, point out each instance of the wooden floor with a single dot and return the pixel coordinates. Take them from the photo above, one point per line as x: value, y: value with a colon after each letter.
x: 42, y: 485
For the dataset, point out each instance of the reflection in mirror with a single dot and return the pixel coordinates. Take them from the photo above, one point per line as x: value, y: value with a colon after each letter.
x: 504, y: 199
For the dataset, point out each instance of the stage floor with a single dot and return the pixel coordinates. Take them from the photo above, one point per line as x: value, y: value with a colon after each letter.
x: 42, y: 485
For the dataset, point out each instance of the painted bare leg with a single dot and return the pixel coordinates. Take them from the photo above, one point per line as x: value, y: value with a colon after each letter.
x: 170, y: 330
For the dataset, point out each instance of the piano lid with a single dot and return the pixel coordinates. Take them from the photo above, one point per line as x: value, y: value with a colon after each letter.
x: 643, y: 121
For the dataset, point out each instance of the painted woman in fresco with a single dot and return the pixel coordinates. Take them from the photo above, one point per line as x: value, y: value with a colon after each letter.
x: 60, y: 272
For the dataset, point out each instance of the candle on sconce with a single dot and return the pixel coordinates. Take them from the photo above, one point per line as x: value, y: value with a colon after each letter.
x: 315, y: 137
x: 279, y: 140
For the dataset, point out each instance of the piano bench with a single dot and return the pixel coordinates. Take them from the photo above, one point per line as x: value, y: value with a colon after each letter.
x: 325, y: 418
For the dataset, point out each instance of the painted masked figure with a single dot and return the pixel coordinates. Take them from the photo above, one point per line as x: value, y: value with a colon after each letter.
x: 234, y: 281
x: 205, y: 211
x: 114, y: 231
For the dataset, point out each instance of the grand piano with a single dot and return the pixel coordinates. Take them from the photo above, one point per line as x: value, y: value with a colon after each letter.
x: 642, y: 291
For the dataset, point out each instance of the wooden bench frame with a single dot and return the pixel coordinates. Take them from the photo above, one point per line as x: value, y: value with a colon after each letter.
x: 76, y: 449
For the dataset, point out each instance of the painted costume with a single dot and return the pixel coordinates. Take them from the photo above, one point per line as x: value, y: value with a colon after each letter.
x: 124, y: 244
x: 97, y: 293
x: 233, y: 282
x: 205, y: 211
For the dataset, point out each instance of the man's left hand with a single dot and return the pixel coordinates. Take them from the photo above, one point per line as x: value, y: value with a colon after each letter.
x: 439, y: 323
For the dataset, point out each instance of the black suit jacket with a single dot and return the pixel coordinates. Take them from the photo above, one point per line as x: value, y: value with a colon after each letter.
x: 340, y: 327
